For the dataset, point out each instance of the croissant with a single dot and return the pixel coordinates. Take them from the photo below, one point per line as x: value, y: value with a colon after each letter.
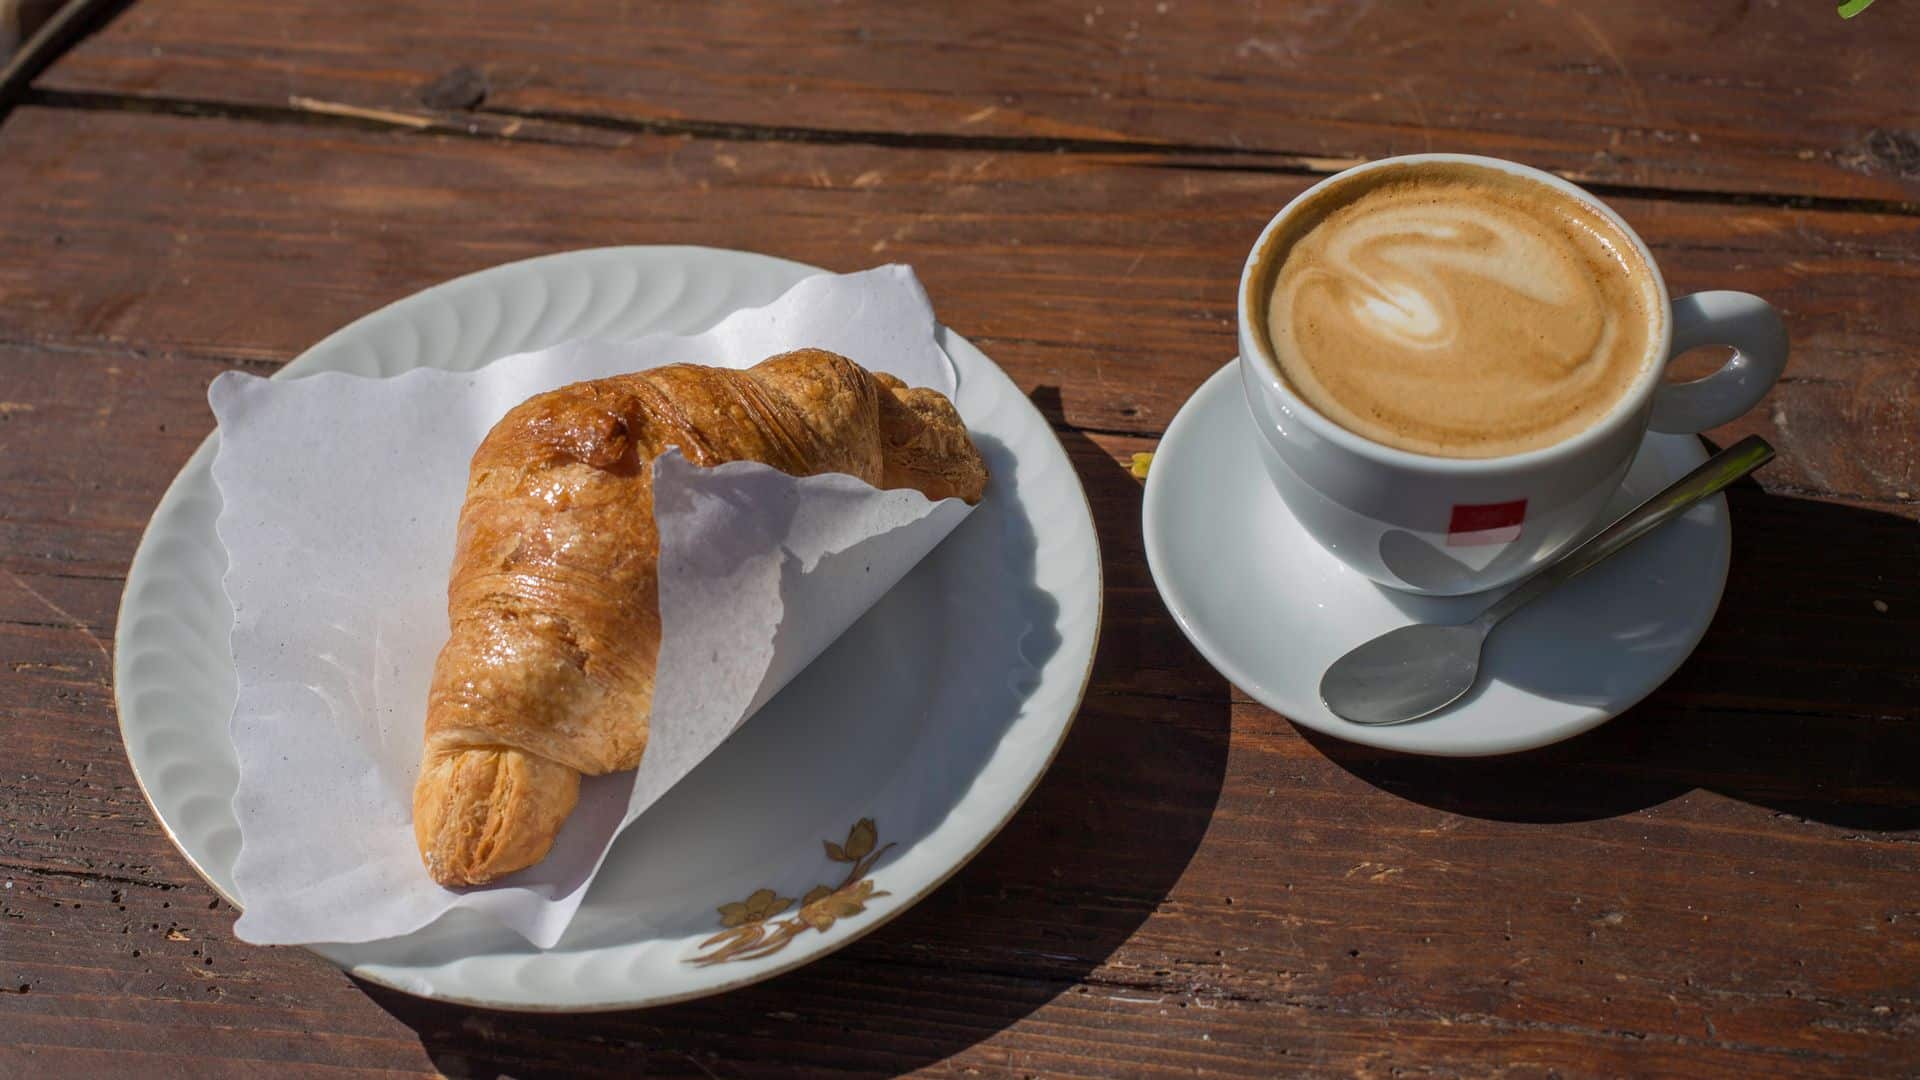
x: 548, y: 672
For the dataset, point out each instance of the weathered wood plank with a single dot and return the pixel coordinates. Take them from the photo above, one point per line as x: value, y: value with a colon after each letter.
x: 1772, y: 97
x: 1607, y: 928
x: 1844, y: 421
x: 1716, y: 883
x: 1786, y: 640
x: 1269, y: 907
x: 1266, y: 897
x: 1108, y: 280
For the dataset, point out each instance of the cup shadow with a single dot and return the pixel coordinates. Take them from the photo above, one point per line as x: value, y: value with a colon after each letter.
x: 1095, y: 850
x: 1802, y: 698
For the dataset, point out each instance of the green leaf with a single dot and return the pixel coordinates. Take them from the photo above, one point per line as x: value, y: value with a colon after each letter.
x: 1854, y: 7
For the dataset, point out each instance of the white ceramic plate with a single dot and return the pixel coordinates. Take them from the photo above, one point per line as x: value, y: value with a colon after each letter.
x: 934, y: 716
x: 1271, y: 609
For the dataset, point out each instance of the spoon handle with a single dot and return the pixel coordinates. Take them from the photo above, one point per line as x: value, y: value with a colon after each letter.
x: 1713, y: 474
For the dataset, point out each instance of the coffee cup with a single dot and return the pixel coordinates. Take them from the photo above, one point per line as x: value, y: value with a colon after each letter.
x: 1436, y: 521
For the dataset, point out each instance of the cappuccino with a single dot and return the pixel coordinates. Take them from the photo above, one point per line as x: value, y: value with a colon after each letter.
x: 1454, y: 309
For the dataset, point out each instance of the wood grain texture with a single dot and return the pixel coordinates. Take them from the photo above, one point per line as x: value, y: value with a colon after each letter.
x: 1108, y: 278
x: 1194, y: 885
x: 1718, y: 883
x: 1777, y: 96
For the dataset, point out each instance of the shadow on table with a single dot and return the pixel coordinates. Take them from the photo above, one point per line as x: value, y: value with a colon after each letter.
x: 1093, y: 853
x: 1804, y: 697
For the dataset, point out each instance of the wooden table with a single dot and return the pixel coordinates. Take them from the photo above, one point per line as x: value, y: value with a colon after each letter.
x: 1722, y: 881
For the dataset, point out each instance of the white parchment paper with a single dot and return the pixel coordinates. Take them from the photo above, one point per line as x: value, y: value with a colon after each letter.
x: 340, y: 496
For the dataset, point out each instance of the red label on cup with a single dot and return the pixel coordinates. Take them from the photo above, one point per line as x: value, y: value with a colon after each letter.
x: 1487, y: 523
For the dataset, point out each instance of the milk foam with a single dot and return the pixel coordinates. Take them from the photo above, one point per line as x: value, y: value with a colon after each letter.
x: 1456, y: 310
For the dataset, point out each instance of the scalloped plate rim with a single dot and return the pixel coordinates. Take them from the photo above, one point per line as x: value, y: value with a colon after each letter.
x: 312, y: 360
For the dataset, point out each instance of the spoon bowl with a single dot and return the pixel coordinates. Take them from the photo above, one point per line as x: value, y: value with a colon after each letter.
x: 1404, y: 674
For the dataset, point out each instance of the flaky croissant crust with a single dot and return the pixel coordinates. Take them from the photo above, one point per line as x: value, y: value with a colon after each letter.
x: 547, y: 673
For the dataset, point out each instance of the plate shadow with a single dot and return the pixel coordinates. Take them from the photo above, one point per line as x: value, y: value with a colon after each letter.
x: 1095, y: 850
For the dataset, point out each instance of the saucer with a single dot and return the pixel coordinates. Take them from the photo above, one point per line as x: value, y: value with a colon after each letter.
x: 1270, y: 609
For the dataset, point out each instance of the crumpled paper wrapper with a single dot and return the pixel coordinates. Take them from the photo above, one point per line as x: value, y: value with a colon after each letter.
x: 340, y: 496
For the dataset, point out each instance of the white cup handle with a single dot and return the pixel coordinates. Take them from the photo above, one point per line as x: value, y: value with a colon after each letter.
x: 1759, y: 340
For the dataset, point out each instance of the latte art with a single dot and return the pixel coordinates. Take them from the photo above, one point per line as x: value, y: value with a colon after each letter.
x: 1409, y: 275
x: 1457, y: 310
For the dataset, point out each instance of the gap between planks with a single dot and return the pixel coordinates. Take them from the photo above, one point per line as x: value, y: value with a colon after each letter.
x: 586, y: 130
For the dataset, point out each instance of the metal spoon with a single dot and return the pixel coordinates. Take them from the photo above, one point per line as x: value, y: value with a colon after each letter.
x: 1418, y: 670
